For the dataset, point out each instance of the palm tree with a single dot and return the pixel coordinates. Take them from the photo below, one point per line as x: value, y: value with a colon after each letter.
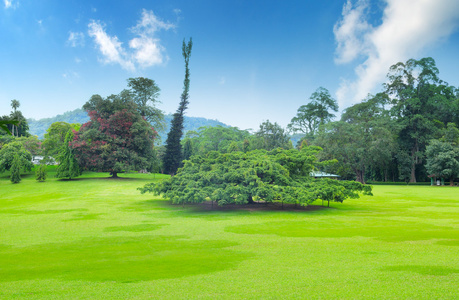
x: 15, y: 105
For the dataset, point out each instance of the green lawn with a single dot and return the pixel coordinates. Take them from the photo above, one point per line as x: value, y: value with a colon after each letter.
x: 100, y: 238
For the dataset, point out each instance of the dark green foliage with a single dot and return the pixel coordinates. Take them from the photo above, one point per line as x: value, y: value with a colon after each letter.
x: 173, y: 157
x: 361, y: 140
x: 443, y: 160
x: 240, y: 178
x: 271, y: 136
x: 384, y: 138
x: 40, y: 173
x: 314, y: 114
x: 9, y: 151
x: 16, y: 169
x: 187, y: 149
x: 145, y: 93
x: 216, y: 138
x: 414, y: 85
x: 68, y: 165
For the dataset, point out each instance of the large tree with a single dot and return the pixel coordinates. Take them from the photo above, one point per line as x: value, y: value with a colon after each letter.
x: 116, y: 139
x: 362, y: 139
x: 270, y: 136
x: 412, y: 86
x: 314, y: 114
x: 442, y: 155
x: 376, y: 133
x: 240, y: 178
x: 173, y: 157
x: 145, y: 94
x: 443, y: 160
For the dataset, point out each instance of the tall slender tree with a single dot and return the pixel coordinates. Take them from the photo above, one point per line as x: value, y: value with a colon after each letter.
x: 173, y: 157
x: 68, y: 165
x: 16, y: 169
x: 15, y: 105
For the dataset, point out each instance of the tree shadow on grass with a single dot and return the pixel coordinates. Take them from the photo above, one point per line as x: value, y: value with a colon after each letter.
x: 253, y: 207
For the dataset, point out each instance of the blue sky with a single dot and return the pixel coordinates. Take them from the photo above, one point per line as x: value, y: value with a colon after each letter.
x: 251, y: 60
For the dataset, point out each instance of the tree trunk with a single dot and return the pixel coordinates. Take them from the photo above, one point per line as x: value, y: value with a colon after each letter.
x: 413, y: 164
x: 114, y: 175
x: 359, y: 176
x: 250, y: 200
x: 413, y: 173
x: 451, y: 181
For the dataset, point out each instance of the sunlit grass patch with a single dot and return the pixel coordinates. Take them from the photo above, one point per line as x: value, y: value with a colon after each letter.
x: 100, y: 238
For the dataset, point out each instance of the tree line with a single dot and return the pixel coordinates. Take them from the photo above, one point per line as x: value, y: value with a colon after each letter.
x: 406, y: 132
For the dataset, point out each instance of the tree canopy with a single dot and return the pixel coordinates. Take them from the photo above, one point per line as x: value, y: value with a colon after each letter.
x: 314, y: 114
x: 116, y: 139
x: 8, y: 152
x: 259, y: 175
x: 54, y: 137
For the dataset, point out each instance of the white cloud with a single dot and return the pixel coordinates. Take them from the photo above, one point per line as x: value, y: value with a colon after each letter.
x: 147, y: 48
x: 144, y: 49
x: 406, y: 30
x: 350, y: 31
x: 75, y: 39
x: 110, y: 47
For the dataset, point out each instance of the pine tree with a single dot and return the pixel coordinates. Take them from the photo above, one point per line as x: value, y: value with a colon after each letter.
x: 16, y: 169
x: 40, y: 173
x: 173, y: 157
x: 68, y: 165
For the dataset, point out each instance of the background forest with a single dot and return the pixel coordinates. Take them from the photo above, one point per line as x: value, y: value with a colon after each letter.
x: 405, y: 133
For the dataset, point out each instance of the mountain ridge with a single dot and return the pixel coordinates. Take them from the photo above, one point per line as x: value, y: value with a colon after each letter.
x: 39, y: 127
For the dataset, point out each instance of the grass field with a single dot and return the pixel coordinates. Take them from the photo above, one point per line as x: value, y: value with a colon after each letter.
x: 100, y: 238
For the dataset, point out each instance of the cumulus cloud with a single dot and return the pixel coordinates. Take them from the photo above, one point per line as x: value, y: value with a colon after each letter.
x: 147, y: 48
x: 405, y: 30
x: 75, y: 39
x: 144, y: 50
x: 350, y: 31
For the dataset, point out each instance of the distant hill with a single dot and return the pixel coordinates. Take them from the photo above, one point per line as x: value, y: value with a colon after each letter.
x: 39, y: 127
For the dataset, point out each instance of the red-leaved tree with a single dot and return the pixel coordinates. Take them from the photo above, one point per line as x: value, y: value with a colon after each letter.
x: 116, y: 139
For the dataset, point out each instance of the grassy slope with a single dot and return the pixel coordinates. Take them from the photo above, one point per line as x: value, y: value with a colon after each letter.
x: 99, y: 238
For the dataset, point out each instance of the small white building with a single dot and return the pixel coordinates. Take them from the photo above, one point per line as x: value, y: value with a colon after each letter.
x: 320, y: 174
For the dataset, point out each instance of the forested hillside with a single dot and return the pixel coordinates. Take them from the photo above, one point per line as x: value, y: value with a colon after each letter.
x: 39, y: 127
